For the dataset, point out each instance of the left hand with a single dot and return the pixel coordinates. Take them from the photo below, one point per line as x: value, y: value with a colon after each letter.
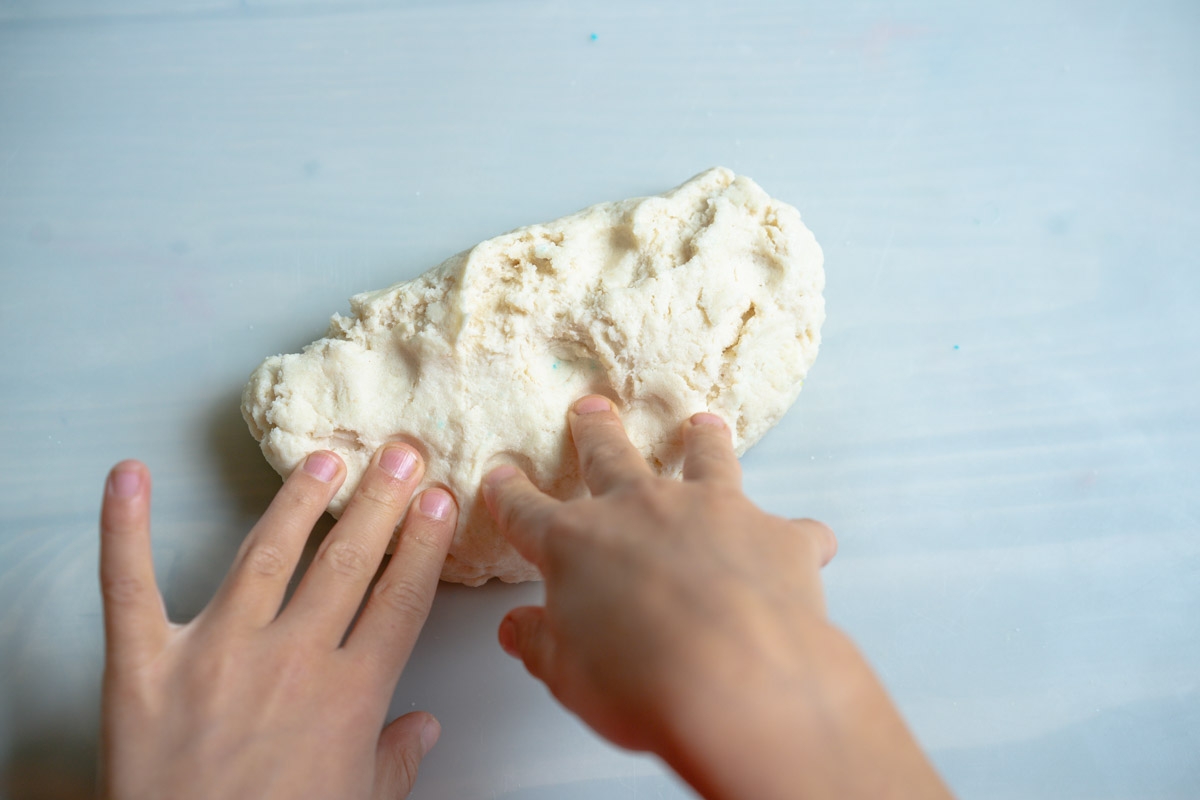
x: 247, y: 700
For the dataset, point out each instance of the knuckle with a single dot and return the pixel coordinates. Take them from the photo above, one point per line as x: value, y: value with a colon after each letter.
x: 348, y: 557
x: 814, y: 524
x: 718, y: 458
x: 265, y: 560
x: 296, y: 497
x: 427, y: 541
x: 402, y: 597
x: 564, y: 519
x: 376, y: 493
x: 814, y: 530
x: 602, y: 452
x: 814, y: 538
x: 408, y: 762
x: 512, y: 512
x: 510, y: 516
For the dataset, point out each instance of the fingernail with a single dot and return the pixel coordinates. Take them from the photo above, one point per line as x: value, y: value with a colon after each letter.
x: 508, y: 637
x: 435, y: 503
x: 591, y: 404
x: 399, y: 462
x: 125, y: 481
x: 430, y: 731
x: 704, y: 418
x: 500, y: 474
x: 321, y: 465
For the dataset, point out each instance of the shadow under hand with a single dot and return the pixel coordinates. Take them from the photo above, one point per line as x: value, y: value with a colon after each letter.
x: 245, y: 485
x: 60, y: 764
x: 241, y: 485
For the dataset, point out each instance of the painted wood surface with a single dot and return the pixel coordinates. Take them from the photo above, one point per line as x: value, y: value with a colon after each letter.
x: 1002, y: 426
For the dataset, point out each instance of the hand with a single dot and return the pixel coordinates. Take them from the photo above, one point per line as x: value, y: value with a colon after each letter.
x: 683, y: 620
x: 250, y: 701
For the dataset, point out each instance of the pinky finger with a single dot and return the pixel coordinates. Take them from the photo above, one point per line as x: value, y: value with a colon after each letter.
x: 825, y: 542
x: 524, y: 634
x: 135, y: 623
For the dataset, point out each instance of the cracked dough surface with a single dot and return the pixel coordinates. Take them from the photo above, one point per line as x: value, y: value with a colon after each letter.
x: 705, y: 298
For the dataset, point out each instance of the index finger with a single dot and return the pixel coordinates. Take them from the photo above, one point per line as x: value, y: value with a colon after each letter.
x: 519, y: 509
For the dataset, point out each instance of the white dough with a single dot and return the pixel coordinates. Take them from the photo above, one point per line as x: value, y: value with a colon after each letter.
x: 706, y: 298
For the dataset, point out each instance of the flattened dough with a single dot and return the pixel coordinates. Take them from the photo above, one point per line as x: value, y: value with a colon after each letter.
x: 705, y: 298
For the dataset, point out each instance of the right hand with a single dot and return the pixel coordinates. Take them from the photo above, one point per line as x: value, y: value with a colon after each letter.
x: 682, y: 619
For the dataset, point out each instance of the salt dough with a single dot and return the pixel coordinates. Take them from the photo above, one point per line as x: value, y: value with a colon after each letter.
x: 705, y: 298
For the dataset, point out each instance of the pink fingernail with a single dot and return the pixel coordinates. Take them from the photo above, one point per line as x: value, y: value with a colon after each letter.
x: 322, y: 466
x: 125, y: 481
x: 704, y: 418
x: 435, y: 503
x: 430, y: 732
x: 592, y: 404
x: 399, y: 462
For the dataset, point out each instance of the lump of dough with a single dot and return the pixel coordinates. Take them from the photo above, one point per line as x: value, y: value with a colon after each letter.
x: 705, y: 298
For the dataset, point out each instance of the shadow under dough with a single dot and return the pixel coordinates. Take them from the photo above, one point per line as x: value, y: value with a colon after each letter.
x: 249, y: 480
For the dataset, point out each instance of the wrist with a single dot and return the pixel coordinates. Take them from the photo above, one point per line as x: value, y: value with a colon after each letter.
x: 816, y: 725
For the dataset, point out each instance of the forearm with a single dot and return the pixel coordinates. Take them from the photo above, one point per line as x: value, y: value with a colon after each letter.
x: 830, y: 731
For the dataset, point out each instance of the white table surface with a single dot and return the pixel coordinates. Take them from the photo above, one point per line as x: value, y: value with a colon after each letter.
x: 1002, y: 425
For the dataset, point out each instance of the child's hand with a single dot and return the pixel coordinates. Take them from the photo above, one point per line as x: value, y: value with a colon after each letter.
x: 682, y: 619
x: 247, y: 700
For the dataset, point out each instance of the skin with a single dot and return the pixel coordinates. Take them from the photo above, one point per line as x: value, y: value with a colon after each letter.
x: 247, y: 700
x: 680, y: 619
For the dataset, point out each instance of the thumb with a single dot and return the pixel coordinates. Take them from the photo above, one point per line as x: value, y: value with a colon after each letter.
x: 524, y: 634
x: 402, y: 745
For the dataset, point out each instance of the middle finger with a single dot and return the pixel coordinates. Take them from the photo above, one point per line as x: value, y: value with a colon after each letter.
x: 333, y: 588
x: 607, y: 459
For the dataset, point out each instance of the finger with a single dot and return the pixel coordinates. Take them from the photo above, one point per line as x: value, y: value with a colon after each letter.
x: 135, y: 623
x: 258, y: 580
x: 708, y: 451
x: 399, y: 604
x: 824, y: 541
x: 332, y: 590
x: 404, y: 742
x: 606, y: 458
x: 524, y: 634
x: 520, y: 510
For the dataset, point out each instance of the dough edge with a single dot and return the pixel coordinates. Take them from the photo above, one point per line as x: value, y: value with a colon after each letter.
x: 476, y: 360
